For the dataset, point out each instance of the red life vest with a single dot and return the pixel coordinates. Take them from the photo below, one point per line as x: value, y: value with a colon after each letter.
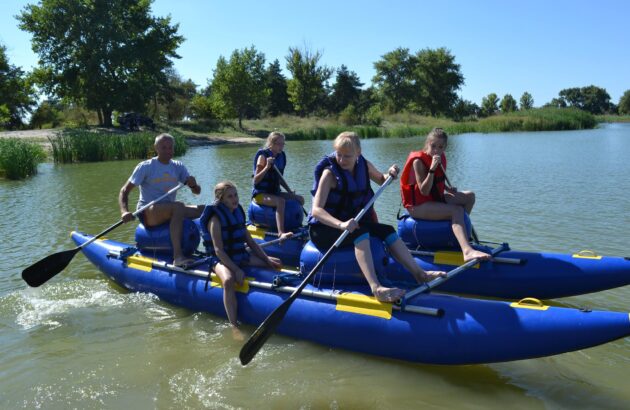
x: 410, y: 189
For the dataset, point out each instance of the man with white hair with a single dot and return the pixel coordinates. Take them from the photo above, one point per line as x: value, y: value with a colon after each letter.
x: 155, y: 177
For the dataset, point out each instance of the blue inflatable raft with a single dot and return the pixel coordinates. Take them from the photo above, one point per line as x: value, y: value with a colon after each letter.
x: 436, y: 329
x: 511, y: 275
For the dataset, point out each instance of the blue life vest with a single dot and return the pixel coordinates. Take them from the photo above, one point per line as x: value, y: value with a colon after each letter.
x: 270, y: 184
x: 233, y: 231
x: 352, y: 192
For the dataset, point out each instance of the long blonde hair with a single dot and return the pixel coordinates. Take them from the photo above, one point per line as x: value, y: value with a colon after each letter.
x: 435, y: 133
x: 273, y: 137
x: 221, y: 188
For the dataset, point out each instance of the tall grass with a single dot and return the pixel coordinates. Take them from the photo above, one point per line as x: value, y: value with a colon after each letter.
x: 19, y: 159
x: 91, y: 146
x: 409, y: 124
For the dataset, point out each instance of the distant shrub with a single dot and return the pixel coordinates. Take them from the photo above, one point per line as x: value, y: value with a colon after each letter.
x: 19, y: 159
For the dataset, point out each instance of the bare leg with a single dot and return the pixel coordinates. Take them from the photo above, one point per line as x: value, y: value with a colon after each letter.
x: 175, y: 212
x: 438, y: 211
x: 277, y: 202
x: 402, y: 255
x: 363, y: 254
x: 463, y: 198
x: 229, y: 293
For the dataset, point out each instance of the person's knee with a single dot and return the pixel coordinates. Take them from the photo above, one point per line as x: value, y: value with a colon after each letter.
x: 178, y: 210
x: 229, y: 283
x: 280, y: 203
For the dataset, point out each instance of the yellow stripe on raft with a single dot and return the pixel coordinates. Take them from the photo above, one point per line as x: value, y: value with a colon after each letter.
x: 529, y: 303
x: 140, y: 262
x: 363, y: 305
x: 450, y: 258
x: 244, y: 288
x: 587, y: 254
x: 256, y: 232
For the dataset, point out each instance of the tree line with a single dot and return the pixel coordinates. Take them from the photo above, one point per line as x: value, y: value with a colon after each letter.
x: 107, y: 57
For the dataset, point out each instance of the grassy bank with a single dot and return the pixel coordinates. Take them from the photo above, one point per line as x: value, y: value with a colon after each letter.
x: 19, y: 159
x: 408, y: 125
x: 91, y: 145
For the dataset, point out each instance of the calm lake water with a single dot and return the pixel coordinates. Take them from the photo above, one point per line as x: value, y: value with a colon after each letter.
x: 80, y: 341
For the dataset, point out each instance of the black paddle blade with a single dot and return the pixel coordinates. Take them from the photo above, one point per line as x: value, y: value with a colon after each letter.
x: 262, y: 333
x: 40, y: 272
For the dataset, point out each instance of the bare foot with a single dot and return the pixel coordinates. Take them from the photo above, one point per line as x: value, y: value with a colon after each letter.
x: 384, y: 294
x: 475, y: 254
x: 430, y: 275
x: 237, y: 335
x: 183, y: 262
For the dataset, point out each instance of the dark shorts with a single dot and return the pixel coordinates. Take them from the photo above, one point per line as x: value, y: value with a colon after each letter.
x: 324, y: 236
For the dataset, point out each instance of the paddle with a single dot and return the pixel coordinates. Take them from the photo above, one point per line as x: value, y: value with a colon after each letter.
x: 284, y: 182
x: 43, y: 270
x: 474, y: 233
x: 436, y: 282
x: 269, y: 325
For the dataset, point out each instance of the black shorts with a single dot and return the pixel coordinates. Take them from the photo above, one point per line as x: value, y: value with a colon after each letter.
x: 324, y: 236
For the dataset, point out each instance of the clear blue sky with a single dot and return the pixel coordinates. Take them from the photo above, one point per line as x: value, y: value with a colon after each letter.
x: 539, y: 46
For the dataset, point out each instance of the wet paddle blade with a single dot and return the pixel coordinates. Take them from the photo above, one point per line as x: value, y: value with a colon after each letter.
x: 40, y: 272
x: 262, y: 333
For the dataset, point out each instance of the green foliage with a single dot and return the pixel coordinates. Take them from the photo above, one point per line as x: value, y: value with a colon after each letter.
x: 346, y: 90
x: 592, y: 99
x: 105, y: 55
x: 90, y: 146
x: 489, y: 105
x: 278, y: 102
x: 173, y: 101
x: 436, y: 78
x: 306, y: 88
x: 624, y: 103
x: 16, y: 93
x: 527, y: 101
x: 374, y: 116
x: 508, y: 104
x: 425, y: 82
x: 19, y: 159
x: 349, y: 115
x: 201, y: 107
x: 393, y: 79
x: 239, y: 86
x: 46, y: 114
x: 463, y: 109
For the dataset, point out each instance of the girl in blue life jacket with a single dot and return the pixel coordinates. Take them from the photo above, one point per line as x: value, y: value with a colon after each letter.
x: 341, y: 190
x: 267, y: 182
x: 226, y: 239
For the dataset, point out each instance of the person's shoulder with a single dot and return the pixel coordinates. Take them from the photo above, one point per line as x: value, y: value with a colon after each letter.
x: 178, y: 163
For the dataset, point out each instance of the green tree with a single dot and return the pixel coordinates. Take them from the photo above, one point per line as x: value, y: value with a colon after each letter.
x: 48, y: 112
x: 16, y: 93
x: 624, y: 103
x: 436, y: 79
x: 557, y: 103
x: 527, y: 101
x: 595, y: 100
x: 346, y: 90
x: 278, y: 96
x: 172, y: 102
x: 239, y: 86
x: 393, y: 79
x: 489, y: 105
x: 307, y: 86
x: 105, y: 55
x: 508, y: 104
x: 464, y: 108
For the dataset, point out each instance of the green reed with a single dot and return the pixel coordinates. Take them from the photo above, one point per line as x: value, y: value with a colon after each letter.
x: 91, y: 146
x: 19, y: 159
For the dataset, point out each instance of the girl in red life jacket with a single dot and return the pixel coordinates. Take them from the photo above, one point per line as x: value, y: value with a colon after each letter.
x: 267, y: 182
x: 225, y: 225
x: 328, y: 219
x: 424, y: 195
